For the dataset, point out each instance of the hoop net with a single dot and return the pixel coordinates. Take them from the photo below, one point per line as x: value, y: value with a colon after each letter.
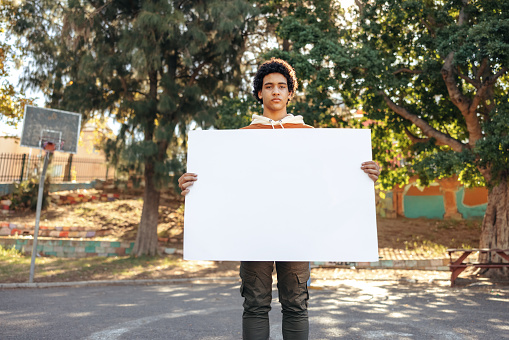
x: 51, y: 140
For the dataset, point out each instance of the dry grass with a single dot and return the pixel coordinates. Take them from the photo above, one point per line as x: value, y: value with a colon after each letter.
x: 121, y: 217
x: 428, y: 236
x: 15, y: 267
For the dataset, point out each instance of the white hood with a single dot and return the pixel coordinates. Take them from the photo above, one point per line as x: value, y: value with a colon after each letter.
x: 288, y: 119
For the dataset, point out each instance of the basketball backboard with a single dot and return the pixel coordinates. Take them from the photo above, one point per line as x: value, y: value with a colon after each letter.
x: 42, y: 126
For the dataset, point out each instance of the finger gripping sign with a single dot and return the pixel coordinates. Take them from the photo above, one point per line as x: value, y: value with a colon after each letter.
x: 280, y: 195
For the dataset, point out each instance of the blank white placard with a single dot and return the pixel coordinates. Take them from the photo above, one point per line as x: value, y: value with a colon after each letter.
x: 280, y: 195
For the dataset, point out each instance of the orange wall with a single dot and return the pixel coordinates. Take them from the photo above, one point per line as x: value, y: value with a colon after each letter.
x: 427, y: 191
x: 475, y: 196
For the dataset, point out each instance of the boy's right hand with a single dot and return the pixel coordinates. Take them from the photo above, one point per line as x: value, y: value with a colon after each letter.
x: 185, y: 181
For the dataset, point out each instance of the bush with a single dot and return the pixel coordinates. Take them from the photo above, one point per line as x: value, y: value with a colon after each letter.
x: 25, y: 194
x: 10, y: 251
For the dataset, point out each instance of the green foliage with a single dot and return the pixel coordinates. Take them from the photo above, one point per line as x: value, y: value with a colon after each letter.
x: 236, y: 113
x: 10, y: 252
x: 426, y: 247
x: 37, y: 26
x: 25, y: 194
x: 307, y: 33
x: 397, y: 53
x: 392, y: 164
x: 388, y: 57
x: 155, y: 66
x: 448, y: 163
x: 311, y: 32
x: 12, y: 101
x: 494, y: 149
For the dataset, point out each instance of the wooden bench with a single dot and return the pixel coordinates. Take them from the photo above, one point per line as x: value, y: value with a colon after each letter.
x: 458, y: 265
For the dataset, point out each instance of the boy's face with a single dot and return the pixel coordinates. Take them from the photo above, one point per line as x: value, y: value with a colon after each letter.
x: 274, y: 93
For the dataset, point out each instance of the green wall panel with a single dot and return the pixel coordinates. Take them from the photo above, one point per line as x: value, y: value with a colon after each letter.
x: 424, y: 206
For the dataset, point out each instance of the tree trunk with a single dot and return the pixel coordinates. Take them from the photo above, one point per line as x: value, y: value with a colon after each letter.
x: 146, y: 239
x: 495, y: 227
x: 286, y: 45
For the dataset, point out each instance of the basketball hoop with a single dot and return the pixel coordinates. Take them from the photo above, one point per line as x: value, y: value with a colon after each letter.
x: 51, y: 140
x: 47, y: 129
x: 42, y: 127
x: 49, y: 146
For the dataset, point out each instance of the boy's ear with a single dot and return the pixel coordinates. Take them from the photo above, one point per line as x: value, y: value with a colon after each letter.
x: 260, y: 94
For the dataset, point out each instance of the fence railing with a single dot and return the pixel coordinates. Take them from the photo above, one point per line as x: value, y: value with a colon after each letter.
x: 19, y: 167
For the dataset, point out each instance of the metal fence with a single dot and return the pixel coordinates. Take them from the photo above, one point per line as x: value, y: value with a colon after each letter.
x: 19, y: 167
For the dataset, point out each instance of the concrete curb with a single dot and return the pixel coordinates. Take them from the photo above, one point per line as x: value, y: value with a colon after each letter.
x: 437, y: 264
x: 196, y: 280
x: 427, y: 264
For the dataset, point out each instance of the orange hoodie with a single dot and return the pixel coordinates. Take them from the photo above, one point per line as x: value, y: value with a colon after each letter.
x: 288, y: 122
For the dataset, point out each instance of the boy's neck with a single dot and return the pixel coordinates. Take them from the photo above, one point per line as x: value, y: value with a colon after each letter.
x: 275, y: 115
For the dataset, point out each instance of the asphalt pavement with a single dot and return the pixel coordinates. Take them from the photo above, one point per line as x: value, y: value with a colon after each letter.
x: 347, y: 309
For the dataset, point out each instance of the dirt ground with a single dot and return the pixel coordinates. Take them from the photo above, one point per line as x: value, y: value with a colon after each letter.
x: 121, y: 219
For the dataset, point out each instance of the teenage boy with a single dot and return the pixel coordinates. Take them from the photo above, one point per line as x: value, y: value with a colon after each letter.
x: 274, y: 85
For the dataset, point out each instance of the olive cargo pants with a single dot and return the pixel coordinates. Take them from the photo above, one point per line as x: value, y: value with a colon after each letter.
x: 256, y: 288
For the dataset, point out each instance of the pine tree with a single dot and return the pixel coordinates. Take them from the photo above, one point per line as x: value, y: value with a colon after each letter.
x: 153, y: 65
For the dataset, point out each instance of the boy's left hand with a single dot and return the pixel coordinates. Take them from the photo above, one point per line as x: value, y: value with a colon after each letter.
x: 372, y: 169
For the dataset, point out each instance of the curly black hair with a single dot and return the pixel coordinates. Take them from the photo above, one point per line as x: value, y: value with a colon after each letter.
x: 274, y: 65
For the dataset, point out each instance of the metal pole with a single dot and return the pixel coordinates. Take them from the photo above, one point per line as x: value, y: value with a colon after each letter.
x: 22, y: 168
x: 28, y: 163
x: 69, y: 164
x: 38, y: 216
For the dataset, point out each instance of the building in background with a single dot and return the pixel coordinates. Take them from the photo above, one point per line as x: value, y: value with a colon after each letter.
x: 444, y: 199
x: 18, y: 163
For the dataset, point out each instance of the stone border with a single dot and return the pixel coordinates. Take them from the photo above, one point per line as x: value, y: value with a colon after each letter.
x: 15, y: 229
x: 69, y: 247
x: 428, y: 264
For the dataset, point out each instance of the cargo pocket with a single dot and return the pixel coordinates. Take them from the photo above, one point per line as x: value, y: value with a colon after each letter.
x: 303, y: 277
x: 303, y: 294
x: 257, y: 294
x: 248, y: 279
